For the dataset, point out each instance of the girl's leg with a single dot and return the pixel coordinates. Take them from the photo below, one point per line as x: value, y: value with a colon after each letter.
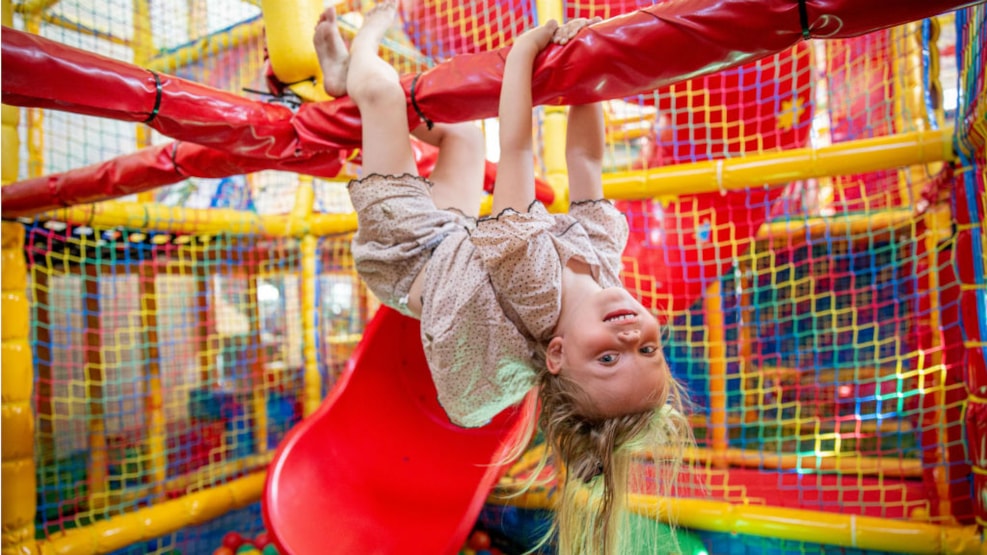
x: 457, y: 180
x: 374, y: 87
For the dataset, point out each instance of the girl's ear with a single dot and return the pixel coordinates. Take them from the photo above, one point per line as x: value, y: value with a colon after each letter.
x: 553, y: 356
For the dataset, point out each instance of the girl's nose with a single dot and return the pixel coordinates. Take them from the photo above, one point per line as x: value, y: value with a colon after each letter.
x: 629, y: 336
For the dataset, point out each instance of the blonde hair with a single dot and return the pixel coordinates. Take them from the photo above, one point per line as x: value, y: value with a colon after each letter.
x: 592, y: 457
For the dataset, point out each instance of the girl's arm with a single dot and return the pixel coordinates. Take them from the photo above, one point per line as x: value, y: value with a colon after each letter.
x: 584, y: 148
x: 515, y: 183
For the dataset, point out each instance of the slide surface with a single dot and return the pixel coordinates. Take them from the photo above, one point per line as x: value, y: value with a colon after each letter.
x: 378, y: 468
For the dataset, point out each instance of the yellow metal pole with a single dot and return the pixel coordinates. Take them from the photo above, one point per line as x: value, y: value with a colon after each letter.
x: 142, y: 46
x: 35, y: 120
x: 311, y: 380
x: 200, y: 221
x: 717, y: 356
x: 198, y: 50
x: 157, y: 520
x: 911, y: 113
x: 933, y: 372
x: 793, y: 233
x: 258, y: 381
x: 842, y: 530
x: 11, y: 143
x: 844, y: 464
x: 866, y: 155
x: 553, y: 127
x: 845, y: 158
x: 300, y: 223
x: 18, y: 495
x: 34, y: 7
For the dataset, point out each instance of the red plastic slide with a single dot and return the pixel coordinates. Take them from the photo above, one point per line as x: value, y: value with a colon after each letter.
x: 379, y: 468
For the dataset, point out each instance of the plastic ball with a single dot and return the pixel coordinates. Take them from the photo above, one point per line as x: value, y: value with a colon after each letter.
x: 467, y: 551
x: 248, y: 549
x: 223, y: 550
x: 262, y: 539
x: 269, y: 549
x: 479, y: 540
x: 233, y: 540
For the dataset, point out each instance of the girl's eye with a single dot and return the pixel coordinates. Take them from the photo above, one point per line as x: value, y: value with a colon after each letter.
x: 650, y: 349
x: 608, y: 358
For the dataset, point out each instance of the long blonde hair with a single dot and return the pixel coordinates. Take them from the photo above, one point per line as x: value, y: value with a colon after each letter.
x: 592, y: 458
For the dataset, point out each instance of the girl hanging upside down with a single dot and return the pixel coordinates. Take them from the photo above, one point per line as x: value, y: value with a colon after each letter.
x: 525, y: 305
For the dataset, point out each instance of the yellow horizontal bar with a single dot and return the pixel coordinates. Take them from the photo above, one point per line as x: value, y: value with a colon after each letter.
x: 850, y: 226
x: 860, y: 532
x: 34, y: 6
x: 174, y: 219
x: 206, y: 46
x: 905, y: 149
x: 158, y: 520
x: 810, y: 425
x: 848, y: 464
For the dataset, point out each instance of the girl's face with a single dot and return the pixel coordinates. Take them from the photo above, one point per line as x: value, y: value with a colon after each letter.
x: 613, y: 353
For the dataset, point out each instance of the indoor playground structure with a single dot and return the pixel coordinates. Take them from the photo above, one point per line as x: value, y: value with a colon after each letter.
x: 189, y: 360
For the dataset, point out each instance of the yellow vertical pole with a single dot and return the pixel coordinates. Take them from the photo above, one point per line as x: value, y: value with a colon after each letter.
x: 257, y: 372
x: 746, y: 348
x: 35, y: 118
x: 301, y: 216
x: 933, y: 370
x: 911, y: 114
x: 11, y: 116
x: 312, y: 380
x: 717, y: 352
x: 143, y: 47
x: 554, y: 126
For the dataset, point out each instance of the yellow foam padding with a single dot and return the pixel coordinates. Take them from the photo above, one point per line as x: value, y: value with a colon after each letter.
x: 19, y: 493
x: 14, y: 275
x: 288, y: 28
x: 17, y: 376
x: 16, y: 312
x: 17, y: 426
x: 11, y: 143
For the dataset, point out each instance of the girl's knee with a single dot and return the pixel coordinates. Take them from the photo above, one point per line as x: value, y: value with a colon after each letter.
x: 375, y: 90
x: 467, y: 134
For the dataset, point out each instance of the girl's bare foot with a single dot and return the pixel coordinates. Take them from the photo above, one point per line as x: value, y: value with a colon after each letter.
x: 375, y: 24
x: 331, y: 50
x: 565, y: 32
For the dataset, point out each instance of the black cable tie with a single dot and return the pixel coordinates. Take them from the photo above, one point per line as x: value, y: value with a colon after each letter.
x: 804, y: 19
x: 157, y: 97
x: 174, y: 159
x: 414, y: 103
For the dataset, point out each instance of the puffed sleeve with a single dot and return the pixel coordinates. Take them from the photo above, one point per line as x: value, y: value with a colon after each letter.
x: 518, y: 252
x: 606, y: 227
